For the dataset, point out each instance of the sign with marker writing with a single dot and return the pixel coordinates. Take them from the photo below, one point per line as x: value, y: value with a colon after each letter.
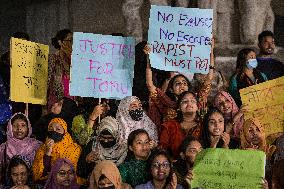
x: 266, y: 102
x: 29, y: 71
x: 180, y: 38
x: 102, y: 66
x: 228, y: 169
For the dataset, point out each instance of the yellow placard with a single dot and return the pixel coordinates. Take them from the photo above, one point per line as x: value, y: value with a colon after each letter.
x: 266, y: 102
x: 29, y: 71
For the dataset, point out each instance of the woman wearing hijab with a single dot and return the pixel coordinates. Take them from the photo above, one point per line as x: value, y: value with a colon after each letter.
x: 18, y: 142
x: 131, y: 116
x: 106, y: 176
x: 225, y: 103
x: 62, y: 176
x: 58, y: 144
x: 64, y: 108
x: 106, y: 145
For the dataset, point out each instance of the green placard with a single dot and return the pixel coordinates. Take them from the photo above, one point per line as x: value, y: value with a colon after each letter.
x: 228, y: 169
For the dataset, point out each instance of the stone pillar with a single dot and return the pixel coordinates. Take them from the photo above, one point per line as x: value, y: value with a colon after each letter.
x: 131, y: 12
x: 256, y: 16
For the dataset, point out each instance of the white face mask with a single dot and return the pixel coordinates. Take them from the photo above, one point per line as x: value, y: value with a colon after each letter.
x: 252, y: 63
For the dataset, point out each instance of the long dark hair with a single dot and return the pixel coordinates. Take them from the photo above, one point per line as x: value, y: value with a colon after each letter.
x: 169, y: 92
x: 157, y: 152
x: 14, y: 162
x: 131, y: 137
x: 179, y: 112
x: 205, y: 134
x: 242, y: 59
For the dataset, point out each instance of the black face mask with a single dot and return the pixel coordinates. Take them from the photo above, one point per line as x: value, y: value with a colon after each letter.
x: 137, y: 114
x: 108, y: 144
x: 108, y: 187
x: 57, y: 137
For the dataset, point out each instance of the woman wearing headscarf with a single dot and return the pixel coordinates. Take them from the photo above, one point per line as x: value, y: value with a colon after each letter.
x: 106, y: 145
x: 131, y: 116
x: 58, y: 144
x: 62, y: 175
x: 279, y: 153
x: 106, y: 175
x: 64, y: 108
x: 234, y: 117
x: 19, y: 141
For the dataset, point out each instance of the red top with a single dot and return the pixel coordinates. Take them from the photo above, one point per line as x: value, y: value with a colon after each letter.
x: 172, y: 136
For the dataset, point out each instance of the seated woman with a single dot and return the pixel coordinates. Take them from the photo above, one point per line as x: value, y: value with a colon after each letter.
x: 214, y: 134
x: 246, y: 74
x: 134, y: 171
x: 64, y: 108
x: 106, y: 176
x: 131, y: 116
x: 84, y: 125
x: 62, y: 175
x: 234, y: 117
x: 18, y: 142
x: 188, y: 123
x: 19, y: 174
x: 163, y: 105
x: 160, y: 167
x: 59, y: 144
x: 106, y: 145
x: 190, y: 147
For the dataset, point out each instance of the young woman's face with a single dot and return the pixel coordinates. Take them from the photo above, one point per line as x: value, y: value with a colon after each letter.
x: 192, y: 150
x: 141, y: 147
x: 188, y: 104
x: 136, y: 104
x: 251, y: 55
x: 254, y: 135
x: 216, y: 124
x: 179, y: 85
x: 19, y: 175
x: 104, y: 183
x: 56, y: 127
x: 57, y: 107
x: 160, y: 168
x: 224, y: 105
x: 20, y: 129
x: 66, y: 44
x: 65, y: 175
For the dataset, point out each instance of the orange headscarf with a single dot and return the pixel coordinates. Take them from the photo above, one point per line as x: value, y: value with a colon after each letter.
x: 66, y: 148
x: 109, y: 170
x: 255, y: 123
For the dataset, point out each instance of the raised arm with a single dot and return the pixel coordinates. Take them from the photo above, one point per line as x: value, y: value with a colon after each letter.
x: 149, y: 74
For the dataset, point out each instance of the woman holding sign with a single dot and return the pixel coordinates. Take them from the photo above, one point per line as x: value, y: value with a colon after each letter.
x: 163, y: 105
x: 59, y: 66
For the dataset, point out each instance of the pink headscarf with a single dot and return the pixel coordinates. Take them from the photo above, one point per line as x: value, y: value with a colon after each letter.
x: 26, y: 147
x: 51, y: 182
x: 235, y: 110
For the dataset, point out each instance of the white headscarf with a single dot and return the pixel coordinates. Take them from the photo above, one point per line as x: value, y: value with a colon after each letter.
x: 127, y: 124
x: 116, y: 153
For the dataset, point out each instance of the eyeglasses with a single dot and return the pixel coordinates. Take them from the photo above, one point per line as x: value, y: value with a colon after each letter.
x: 164, y: 165
x: 63, y: 173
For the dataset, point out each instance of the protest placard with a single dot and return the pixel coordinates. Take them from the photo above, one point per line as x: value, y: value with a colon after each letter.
x: 180, y: 38
x: 266, y: 103
x: 228, y: 169
x: 102, y: 65
x: 29, y: 71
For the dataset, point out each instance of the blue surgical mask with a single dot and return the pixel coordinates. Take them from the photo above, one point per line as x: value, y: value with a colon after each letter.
x: 251, y: 64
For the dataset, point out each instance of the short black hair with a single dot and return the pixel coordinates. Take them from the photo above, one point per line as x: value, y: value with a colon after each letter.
x: 264, y: 34
x: 21, y: 35
x: 60, y: 35
x: 186, y: 142
x: 20, y: 116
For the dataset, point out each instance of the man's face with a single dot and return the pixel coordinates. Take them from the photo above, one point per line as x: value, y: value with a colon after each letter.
x: 267, y: 45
